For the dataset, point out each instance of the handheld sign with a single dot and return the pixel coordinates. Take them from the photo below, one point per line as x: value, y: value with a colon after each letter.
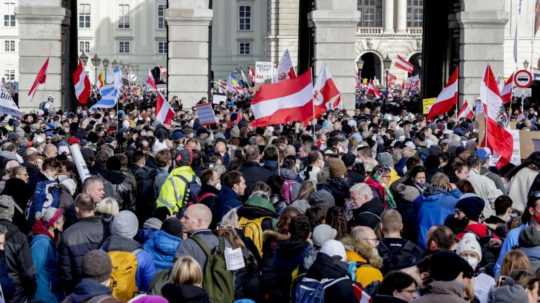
x: 7, y: 105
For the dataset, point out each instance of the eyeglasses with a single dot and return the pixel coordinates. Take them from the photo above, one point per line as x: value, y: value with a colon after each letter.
x: 374, y: 240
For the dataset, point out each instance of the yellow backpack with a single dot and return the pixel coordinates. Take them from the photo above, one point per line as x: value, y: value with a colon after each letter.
x: 123, y: 276
x: 253, y: 230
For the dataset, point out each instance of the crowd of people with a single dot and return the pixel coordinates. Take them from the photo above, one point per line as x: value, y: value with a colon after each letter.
x: 375, y: 205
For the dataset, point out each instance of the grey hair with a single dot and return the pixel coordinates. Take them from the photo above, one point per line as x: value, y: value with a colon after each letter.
x: 363, y: 189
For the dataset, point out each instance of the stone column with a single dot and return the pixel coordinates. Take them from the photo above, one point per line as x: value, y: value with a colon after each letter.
x: 401, y: 26
x: 482, y: 24
x: 388, y: 15
x: 335, y: 23
x: 188, y: 23
x: 40, y: 32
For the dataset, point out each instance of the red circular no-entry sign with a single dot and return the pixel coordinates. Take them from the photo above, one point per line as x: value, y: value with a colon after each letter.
x: 523, y: 78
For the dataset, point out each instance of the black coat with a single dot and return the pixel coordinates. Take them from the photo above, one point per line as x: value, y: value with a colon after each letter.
x: 387, y: 299
x: 182, y: 293
x: 326, y: 267
x: 368, y: 214
x: 253, y: 172
x: 144, y: 200
x: 21, y: 193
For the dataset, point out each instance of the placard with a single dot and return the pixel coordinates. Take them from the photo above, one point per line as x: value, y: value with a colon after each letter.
x: 263, y: 71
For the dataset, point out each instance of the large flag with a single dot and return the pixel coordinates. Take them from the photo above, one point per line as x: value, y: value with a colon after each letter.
x: 285, y: 68
x: 41, y: 77
x: 447, y: 98
x: 327, y: 96
x: 497, y: 138
x: 150, y: 80
x: 82, y: 84
x: 205, y: 114
x: 109, y: 97
x: 164, y: 111
x: 466, y: 111
x: 404, y: 64
x: 372, y: 89
x: 286, y: 101
x: 7, y: 105
x: 506, y: 91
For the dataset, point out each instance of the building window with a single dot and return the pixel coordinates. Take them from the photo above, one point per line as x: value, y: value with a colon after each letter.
x: 123, y: 47
x: 162, y: 47
x: 161, y: 16
x: 9, y: 15
x: 123, y: 21
x: 371, y: 12
x: 9, y: 74
x: 84, y: 46
x: 245, y: 18
x: 415, y: 12
x: 9, y: 46
x: 244, y: 48
x: 84, y: 16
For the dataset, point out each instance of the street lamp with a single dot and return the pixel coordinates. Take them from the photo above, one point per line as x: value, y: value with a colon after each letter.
x: 95, y: 62
x: 359, y: 66
x: 105, y: 66
x: 526, y: 64
x: 387, y: 62
x: 84, y: 58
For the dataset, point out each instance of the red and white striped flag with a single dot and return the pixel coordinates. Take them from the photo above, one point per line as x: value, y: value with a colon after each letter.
x: 327, y: 96
x: 404, y: 64
x: 82, y: 85
x: 164, y: 111
x: 447, y: 98
x: 285, y: 68
x: 251, y: 74
x: 372, y: 89
x: 466, y: 111
x: 391, y: 78
x: 506, y: 92
x: 41, y: 77
x: 151, y: 81
x: 286, y: 101
x: 497, y: 138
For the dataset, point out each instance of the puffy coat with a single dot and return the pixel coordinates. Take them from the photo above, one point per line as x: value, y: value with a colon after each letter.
x: 365, y: 274
x: 184, y: 293
x: 86, y: 290
x: 253, y: 172
x: 45, y: 261
x: 227, y: 200
x: 173, y: 190
x: 162, y: 247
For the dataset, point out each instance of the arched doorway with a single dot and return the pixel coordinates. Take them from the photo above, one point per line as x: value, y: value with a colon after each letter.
x: 416, y: 60
x: 371, y: 67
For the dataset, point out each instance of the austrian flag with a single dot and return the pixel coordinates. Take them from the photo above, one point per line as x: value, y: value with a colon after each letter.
x: 447, y: 98
x: 82, y: 84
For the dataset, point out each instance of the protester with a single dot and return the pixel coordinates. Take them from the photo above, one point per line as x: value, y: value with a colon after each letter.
x: 186, y: 283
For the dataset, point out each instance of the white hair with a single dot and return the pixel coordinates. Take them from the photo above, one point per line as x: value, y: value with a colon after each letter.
x: 362, y: 189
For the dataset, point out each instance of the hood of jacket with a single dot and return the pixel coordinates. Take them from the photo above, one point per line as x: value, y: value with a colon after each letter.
x: 87, y: 289
x: 164, y: 243
x: 326, y: 267
x: 184, y: 293
x: 183, y: 170
x: 256, y: 207
x: 117, y: 243
x: 452, y: 288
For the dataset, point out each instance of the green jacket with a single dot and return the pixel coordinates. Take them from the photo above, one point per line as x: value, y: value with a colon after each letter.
x: 174, y: 191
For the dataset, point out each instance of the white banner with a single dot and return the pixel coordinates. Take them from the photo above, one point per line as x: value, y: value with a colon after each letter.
x: 263, y: 71
x: 79, y: 162
x: 7, y: 105
x: 516, y: 151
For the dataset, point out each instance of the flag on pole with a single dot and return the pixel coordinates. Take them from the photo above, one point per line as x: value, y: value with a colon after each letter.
x: 327, y: 96
x: 404, y: 64
x: 164, y: 111
x: 497, y: 138
x: 205, y: 114
x: 41, y: 77
x: 286, y: 101
x: 447, y: 98
x: 506, y: 91
x: 372, y: 89
x: 285, y: 68
x: 151, y: 81
x: 466, y: 111
x: 109, y: 97
x: 251, y: 74
x: 82, y: 84
x: 7, y: 105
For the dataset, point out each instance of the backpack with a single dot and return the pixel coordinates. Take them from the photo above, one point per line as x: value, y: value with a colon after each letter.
x: 7, y: 285
x: 407, y: 253
x: 312, y: 291
x: 288, y: 188
x: 160, y: 279
x: 47, y: 194
x: 192, y: 190
x: 254, y: 231
x: 123, y: 275
x: 201, y: 197
x: 217, y: 280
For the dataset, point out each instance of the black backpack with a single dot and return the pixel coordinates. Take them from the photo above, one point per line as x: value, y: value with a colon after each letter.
x: 408, y: 254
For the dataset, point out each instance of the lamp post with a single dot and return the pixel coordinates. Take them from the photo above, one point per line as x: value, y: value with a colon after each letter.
x: 84, y: 58
x: 95, y: 62
x: 105, y: 66
x: 359, y: 67
x: 526, y: 64
x: 387, y: 62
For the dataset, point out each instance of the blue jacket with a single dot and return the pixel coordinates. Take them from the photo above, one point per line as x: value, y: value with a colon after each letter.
x: 511, y: 241
x: 162, y: 247
x: 433, y: 210
x: 45, y: 261
x: 227, y: 200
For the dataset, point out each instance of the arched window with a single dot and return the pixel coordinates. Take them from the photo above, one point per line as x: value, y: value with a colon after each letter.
x: 415, y: 12
x: 370, y: 13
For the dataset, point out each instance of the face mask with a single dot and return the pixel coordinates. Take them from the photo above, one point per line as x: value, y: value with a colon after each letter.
x: 473, y: 262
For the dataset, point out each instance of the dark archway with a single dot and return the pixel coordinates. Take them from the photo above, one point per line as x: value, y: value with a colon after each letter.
x: 371, y: 68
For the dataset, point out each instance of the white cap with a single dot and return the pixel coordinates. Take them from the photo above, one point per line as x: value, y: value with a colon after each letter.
x: 333, y: 248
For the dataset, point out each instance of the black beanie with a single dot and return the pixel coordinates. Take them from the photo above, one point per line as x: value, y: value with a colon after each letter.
x: 446, y: 266
x: 172, y: 226
x: 471, y: 205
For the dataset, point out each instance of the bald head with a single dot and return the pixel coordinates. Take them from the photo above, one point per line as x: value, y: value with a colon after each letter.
x: 50, y: 151
x: 196, y: 217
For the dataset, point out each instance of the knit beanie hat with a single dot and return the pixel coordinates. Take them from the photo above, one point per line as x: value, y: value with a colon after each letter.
x: 323, y: 233
x: 471, y: 205
x: 529, y: 237
x: 172, y: 226
x: 337, y: 167
x: 333, y: 248
x: 7, y: 207
x: 97, y: 264
x: 125, y: 224
x: 153, y: 223
x: 322, y: 198
x: 446, y: 266
x: 469, y: 243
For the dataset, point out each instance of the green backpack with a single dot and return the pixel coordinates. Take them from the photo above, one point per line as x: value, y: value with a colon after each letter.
x: 217, y: 280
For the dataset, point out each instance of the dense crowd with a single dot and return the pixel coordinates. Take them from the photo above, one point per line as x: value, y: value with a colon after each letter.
x: 376, y: 205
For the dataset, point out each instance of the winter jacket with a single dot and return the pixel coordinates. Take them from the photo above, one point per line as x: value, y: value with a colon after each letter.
x: 511, y: 241
x: 326, y: 267
x: 19, y: 263
x: 162, y: 247
x: 253, y: 172
x: 518, y: 190
x: 209, y: 197
x: 86, y: 290
x: 499, y: 183
x: 433, y: 210
x: 145, y: 199
x: 368, y: 214
x: 44, y: 257
x: 529, y: 243
x: 173, y: 191
x: 184, y: 293
x: 339, y: 188
x: 486, y: 189
x: 161, y: 175
x: 386, y: 299
x: 189, y: 247
x: 365, y: 273
x: 397, y: 253
x: 226, y: 200
x: 145, y: 265
x: 21, y: 193
x: 85, y: 235
x: 124, y: 188
x: 442, y: 291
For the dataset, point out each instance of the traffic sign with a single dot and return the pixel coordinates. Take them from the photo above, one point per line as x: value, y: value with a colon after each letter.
x: 520, y: 92
x: 523, y: 78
